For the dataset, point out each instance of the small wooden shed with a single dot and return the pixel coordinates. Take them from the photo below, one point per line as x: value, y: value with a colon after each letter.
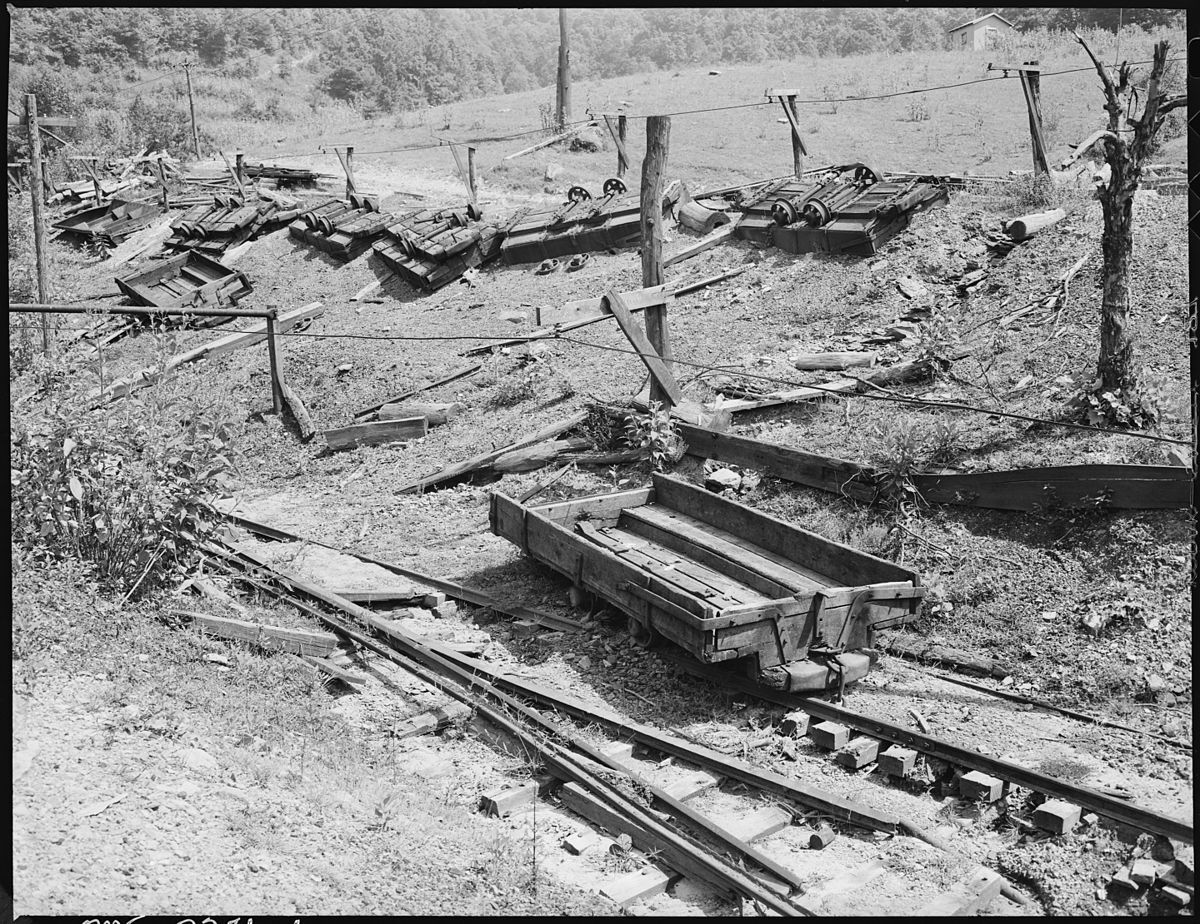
x: 980, y: 33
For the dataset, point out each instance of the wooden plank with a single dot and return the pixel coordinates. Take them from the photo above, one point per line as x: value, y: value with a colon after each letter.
x: 454, y: 376
x: 634, y: 887
x: 923, y: 650
x: 1129, y: 487
x: 375, y: 433
x: 331, y: 669
x: 846, y: 566
x: 598, y: 507
x: 724, y: 551
x: 970, y: 897
x: 683, y: 581
x: 659, y: 371
x: 436, y: 413
x: 553, y: 140
x: 720, y: 583
x: 299, y: 411
x: 484, y: 460
x: 845, y: 360
x: 372, y: 287
x: 235, y: 341
x: 297, y: 641
x: 838, y: 476
x: 670, y: 536
x: 598, y: 308
x: 619, y: 142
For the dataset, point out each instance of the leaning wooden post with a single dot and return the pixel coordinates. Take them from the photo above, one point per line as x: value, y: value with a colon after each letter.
x: 797, y: 144
x: 471, y: 171
x: 276, y: 387
x: 39, y: 221
x: 162, y: 182
x: 1031, y: 76
x: 350, y: 171
x: 658, y: 138
x: 239, y: 160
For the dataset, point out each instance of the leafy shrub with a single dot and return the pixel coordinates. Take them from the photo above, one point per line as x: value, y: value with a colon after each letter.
x: 128, y: 496
x: 918, y: 110
x: 656, y: 432
x: 1141, y: 408
x: 899, y: 449
x: 938, y: 342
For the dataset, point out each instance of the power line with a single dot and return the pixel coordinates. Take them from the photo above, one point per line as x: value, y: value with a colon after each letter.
x: 706, y: 367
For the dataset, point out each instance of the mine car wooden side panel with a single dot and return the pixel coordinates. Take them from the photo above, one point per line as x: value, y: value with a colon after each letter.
x: 717, y: 578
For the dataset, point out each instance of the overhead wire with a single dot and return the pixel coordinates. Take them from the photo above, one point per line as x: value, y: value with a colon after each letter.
x: 708, y: 367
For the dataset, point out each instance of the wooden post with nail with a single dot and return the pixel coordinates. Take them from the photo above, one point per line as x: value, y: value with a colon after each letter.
x: 658, y: 138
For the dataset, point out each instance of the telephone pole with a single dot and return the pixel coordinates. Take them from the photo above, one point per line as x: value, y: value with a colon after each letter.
x: 187, y: 69
x: 564, y: 71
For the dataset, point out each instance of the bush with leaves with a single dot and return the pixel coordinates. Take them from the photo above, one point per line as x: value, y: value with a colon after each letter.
x: 938, y: 342
x: 128, y: 495
x: 655, y: 432
x: 1143, y: 407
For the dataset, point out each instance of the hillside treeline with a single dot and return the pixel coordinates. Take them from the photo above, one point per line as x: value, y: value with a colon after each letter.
x: 398, y: 59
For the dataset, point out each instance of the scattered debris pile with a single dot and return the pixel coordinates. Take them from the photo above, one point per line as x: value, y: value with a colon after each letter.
x: 342, y: 228
x: 847, y: 210
x: 285, y: 176
x: 432, y: 247
x: 191, y: 279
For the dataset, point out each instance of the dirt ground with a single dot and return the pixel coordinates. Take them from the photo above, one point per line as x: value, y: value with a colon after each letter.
x: 267, y: 822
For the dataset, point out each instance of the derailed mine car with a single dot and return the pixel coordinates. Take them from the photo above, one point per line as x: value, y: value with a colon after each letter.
x: 724, y: 582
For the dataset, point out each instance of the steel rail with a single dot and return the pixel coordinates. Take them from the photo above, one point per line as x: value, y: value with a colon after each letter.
x: 1141, y: 818
x: 681, y: 852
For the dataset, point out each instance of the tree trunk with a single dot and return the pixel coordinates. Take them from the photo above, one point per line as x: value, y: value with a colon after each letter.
x: 1116, y: 339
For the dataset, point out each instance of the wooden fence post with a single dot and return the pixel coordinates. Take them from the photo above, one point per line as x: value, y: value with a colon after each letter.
x: 1032, y: 83
x: 658, y: 138
x: 276, y: 386
x: 471, y: 171
x: 622, y: 127
x: 350, y: 171
x: 39, y: 221
x: 797, y: 144
x: 240, y: 163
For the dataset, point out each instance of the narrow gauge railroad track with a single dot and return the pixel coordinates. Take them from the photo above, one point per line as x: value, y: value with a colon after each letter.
x: 1113, y: 808
x: 656, y: 806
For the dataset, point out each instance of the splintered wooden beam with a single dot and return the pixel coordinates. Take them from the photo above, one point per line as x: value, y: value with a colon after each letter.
x: 486, y: 459
x: 444, y: 380
x: 299, y: 412
x: 659, y: 370
x: 717, y: 237
x: 297, y: 641
x: 376, y: 433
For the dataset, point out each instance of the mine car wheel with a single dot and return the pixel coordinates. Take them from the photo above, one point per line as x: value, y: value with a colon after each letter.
x: 865, y: 175
x: 643, y: 635
x: 613, y: 187
x: 578, y: 194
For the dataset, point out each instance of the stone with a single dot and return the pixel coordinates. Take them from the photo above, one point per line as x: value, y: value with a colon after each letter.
x: 433, y: 599
x: 524, y: 628
x: 1056, y: 816
x: 979, y: 787
x: 196, y: 759
x: 584, y: 663
x: 1121, y: 878
x: 553, y: 171
x: 1176, y: 896
x: 445, y: 609
x: 898, y: 761
x: 723, y: 479
x: 588, y: 140
x: 829, y: 735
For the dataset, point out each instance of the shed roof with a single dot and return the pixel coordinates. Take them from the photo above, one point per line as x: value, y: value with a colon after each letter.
x: 979, y: 19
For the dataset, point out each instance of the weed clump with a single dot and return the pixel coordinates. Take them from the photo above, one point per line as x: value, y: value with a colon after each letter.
x: 128, y: 497
x: 656, y: 432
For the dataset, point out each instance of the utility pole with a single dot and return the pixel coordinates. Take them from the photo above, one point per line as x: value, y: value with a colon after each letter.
x: 564, y: 71
x: 187, y: 69
x: 658, y: 138
x: 39, y: 222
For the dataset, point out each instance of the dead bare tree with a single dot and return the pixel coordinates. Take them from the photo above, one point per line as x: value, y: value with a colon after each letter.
x: 1126, y: 149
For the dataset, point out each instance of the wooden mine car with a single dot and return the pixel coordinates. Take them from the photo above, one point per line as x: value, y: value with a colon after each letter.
x: 721, y: 580
x: 580, y: 225
x: 848, y: 210
x: 342, y: 228
x: 190, y: 279
x: 111, y: 223
x: 432, y: 247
